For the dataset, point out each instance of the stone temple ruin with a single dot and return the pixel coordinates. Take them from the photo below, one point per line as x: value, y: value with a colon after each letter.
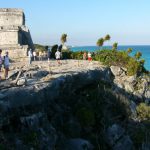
x: 14, y: 35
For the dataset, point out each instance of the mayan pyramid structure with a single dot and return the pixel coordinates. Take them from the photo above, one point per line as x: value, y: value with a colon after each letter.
x: 14, y: 35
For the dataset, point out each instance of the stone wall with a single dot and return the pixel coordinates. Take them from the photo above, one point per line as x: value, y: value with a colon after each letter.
x: 17, y: 52
x: 9, y: 37
x: 10, y: 17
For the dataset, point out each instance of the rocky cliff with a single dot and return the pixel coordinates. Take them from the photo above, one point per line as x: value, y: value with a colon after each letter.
x: 75, y: 106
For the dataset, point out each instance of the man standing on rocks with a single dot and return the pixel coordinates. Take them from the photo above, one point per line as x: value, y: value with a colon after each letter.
x: 6, y: 64
x: 58, y: 55
x: 1, y: 61
x: 34, y: 55
x: 30, y: 56
x: 49, y: 54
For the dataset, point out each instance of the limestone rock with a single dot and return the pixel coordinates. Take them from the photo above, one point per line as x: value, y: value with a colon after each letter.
x: 131, y: 79
x: 32, y: 121
x: 117, y: 71
x: 129, y: 87
x: 21, y: 81
x: 133, y: 109
x: 78, y: 144
x: 114, y: 133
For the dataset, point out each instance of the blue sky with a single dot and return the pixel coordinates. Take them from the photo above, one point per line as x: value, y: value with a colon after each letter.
x: 127, y: 21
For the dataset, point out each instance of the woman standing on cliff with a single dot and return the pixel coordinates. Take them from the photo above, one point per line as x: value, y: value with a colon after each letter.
x: 1, y: 61
x: 6, y: 64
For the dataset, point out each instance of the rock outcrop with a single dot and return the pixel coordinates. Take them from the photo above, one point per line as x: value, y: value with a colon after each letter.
x: 138, y: 86
x: 31, y: 100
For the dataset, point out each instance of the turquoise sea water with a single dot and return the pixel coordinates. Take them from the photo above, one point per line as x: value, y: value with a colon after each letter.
x: 145, y: 50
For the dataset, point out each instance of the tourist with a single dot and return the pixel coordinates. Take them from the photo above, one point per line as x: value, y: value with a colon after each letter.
x: 30, y: 56
x: 40, y: 55
x: 84, y: 56
x: 44, y: 54
x: 1, y: 62
x: 6, y: 65
x: 89, y: 57
x: 58, y: 55
x: 49, y: 54
x: 34, y: 55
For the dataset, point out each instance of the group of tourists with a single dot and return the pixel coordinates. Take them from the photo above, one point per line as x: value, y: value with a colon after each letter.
x: 87, y: 56
x: 4, y: 60
x: 33, y: 55
x: 4, y: 63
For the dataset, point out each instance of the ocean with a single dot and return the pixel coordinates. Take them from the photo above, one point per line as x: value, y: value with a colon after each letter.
x: 145, y: 50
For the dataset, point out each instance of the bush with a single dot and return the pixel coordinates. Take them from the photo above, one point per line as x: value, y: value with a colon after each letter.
x: 133, y: 67
x: 77, y: 55
x: 121, y: 58
x: 66, y: 54
x: 39, y: 48
x: 143, y: 111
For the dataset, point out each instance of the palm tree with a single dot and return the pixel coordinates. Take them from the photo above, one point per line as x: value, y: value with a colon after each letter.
x: 138, y: 55
x: 115, y: 46
x: 107, y: 37
x: 100, y: 42
x: 63, y: 38
x: 129, y: 50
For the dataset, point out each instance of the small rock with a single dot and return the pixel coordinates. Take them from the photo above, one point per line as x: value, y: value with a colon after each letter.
x: 129, y: 87
x: 131, y: 79
x: 117, y: 71
x: 147, y: 94
x: 133, y: 109
x: 22, y: 81
x: 114, y: 133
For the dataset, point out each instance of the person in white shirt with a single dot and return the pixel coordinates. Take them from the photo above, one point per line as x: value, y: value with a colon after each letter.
x: 30, y: 56
x: 58, y: 55
x: 1, y: 62
x: 34, y: 55
x: 49, y: 54
x: 6, y: 64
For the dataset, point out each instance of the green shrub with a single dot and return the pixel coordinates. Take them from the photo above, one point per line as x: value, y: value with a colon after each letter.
x: 143, y: 111
x: 39, y: 47
x: 77, y: 55
x: 121, y: 58
x: 133, y: 67
x: 66, y: 54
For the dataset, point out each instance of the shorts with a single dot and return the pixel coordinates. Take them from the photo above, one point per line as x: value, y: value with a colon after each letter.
x: 6, y: 67
x: 89, y: 58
